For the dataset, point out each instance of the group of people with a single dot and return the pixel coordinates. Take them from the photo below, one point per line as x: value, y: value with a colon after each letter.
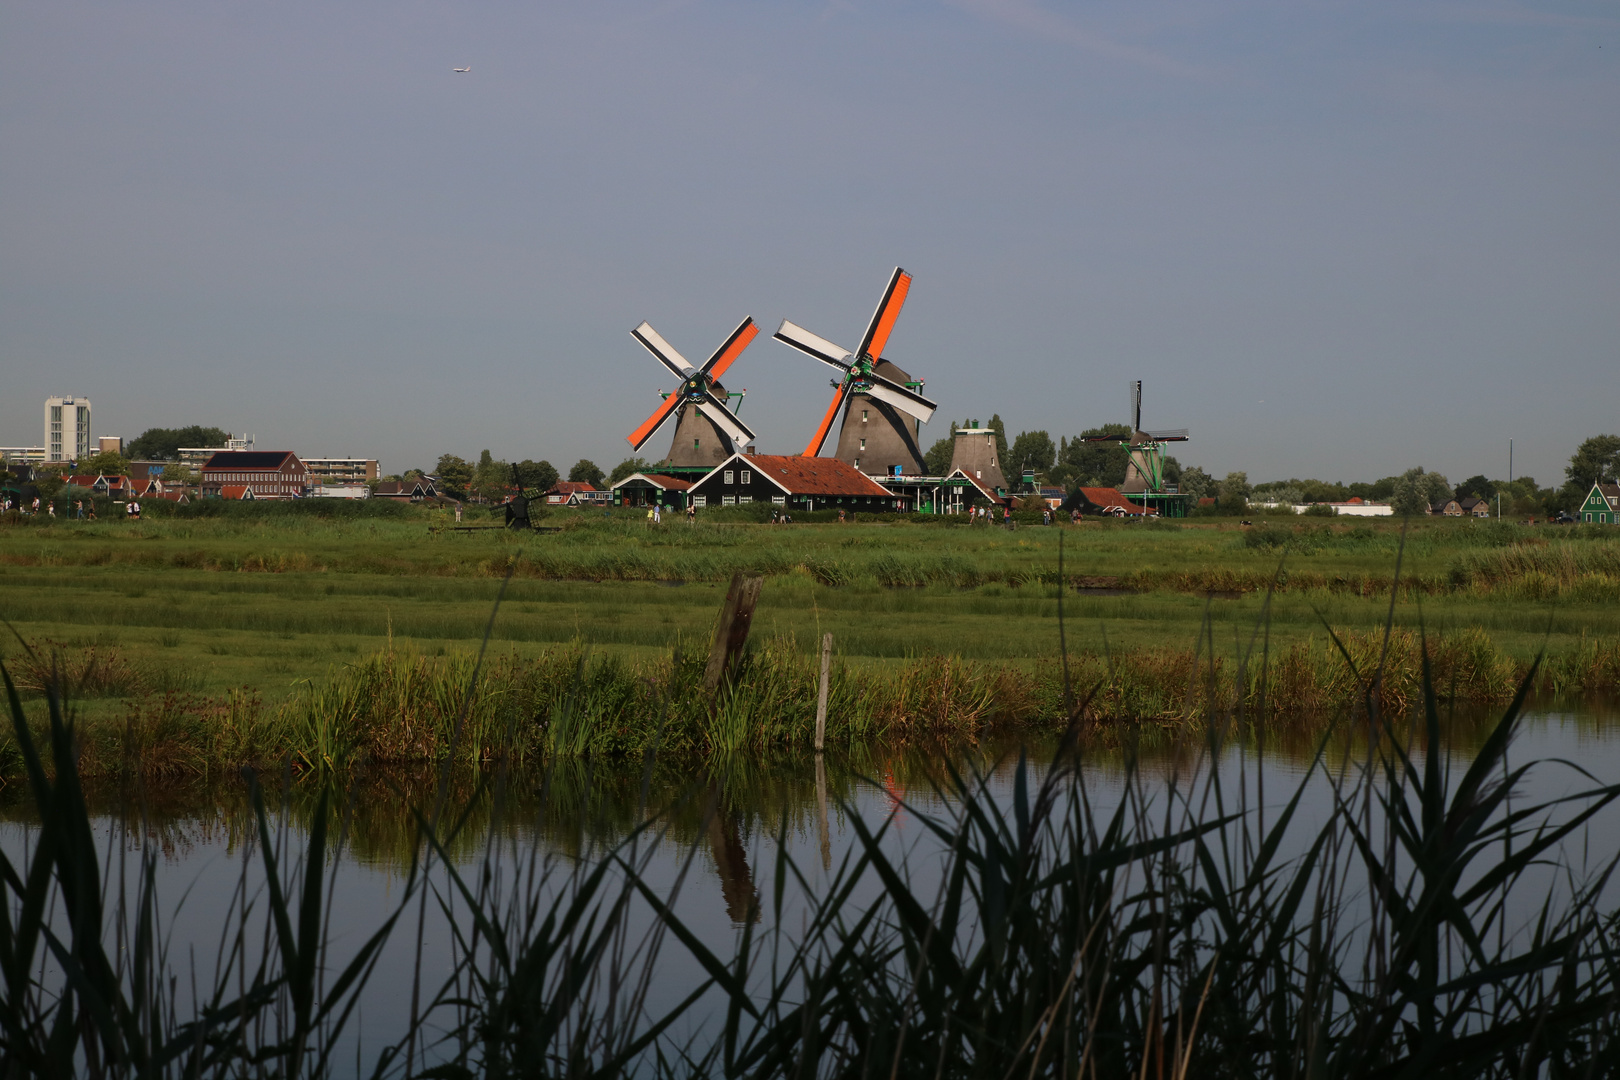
x: 655, y: 514
x: 984, y: 515
x: 81, y: 510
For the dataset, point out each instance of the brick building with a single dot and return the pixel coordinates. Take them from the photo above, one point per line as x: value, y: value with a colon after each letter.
x: 269, y: 474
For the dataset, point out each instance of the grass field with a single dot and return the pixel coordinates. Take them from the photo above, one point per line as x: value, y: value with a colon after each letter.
x: 273, y: 599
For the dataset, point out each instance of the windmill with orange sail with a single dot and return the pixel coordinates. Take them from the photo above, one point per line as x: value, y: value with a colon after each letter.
x: 707, y: 430
x: 882, y: 405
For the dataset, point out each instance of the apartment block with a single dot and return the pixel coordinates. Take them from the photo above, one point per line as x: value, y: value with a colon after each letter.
x: 67, y: 429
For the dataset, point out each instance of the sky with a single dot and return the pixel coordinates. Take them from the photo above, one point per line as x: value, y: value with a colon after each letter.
x: 1334, y: 240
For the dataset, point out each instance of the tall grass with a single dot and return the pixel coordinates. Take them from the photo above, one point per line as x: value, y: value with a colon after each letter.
x: 400, y: 708
x: 1432, y: 923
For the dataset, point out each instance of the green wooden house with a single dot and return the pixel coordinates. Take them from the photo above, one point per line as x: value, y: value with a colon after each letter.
x: 1602, y: 505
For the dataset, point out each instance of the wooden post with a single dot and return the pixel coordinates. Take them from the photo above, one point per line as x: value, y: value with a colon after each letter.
x: 731, y: 633
x: 821, y: 698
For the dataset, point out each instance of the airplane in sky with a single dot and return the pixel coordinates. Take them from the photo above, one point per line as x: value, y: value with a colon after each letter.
x: 461, y: 70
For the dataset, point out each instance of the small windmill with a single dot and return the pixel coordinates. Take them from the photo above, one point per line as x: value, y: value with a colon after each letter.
x: 877, y: 397
x: 707, y: 431
x: 1144, y: 473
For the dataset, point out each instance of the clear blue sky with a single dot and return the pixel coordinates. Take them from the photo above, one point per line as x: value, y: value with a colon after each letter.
x: 1333, y: 239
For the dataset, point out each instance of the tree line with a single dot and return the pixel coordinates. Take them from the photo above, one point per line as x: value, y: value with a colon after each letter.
x: 1068, y: 463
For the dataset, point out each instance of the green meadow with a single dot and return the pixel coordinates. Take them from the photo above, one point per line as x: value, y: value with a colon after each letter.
x: 272, y: 597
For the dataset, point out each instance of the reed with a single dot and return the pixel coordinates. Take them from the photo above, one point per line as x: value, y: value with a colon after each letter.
x: 401, y: 708
x: 1180, y: 933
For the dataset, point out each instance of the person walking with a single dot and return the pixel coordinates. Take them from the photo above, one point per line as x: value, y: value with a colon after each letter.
x: 1006, y: 516
x: 458, y: 513
x: 658, y: 515
x: 50, y: 508
x: 691, y: 513
x: 78, y: 506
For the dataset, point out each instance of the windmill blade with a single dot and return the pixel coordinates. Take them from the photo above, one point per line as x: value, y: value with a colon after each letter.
x: 819, y: 439
x: 727, y: 354
x: 888, y: 310
x: 1168, y: 435
x: 662, y: 349
x: 724, y: 419
x: 901, y: 397
x: 819, y: 347
x: 639, y: 437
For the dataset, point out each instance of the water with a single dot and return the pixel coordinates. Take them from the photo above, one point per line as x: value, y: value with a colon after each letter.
x: 712, y: 836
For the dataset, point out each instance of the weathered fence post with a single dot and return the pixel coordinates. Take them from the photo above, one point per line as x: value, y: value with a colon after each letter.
x: 821, y: 698
x: 731, y: 633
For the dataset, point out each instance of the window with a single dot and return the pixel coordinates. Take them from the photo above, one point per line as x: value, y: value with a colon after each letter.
x: 745, y: 476
x: 700, y: 500
x: 863, y: 416
x: 728, y: 500
x: 863, y: 444
x: 727, y: 477
x: 779, y: 500
x: 694, y: 444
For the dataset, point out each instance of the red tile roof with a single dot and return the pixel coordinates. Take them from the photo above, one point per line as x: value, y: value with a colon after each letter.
x: 815, y: 476
x: 234, y: 491
x: 1101, y: 496
x: 568, y: 487
x: 668, y: 483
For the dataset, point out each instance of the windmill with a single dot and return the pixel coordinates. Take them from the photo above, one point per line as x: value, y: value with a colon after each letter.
x: 881, y: 404
x: 707, y: 431
x: 1144, y: 471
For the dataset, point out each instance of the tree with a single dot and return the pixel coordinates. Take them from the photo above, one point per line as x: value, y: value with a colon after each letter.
x: 1234, y: 492
x: 938, y: 458
x: 1196, y: 483
x: 628, y: 467
x: 586, y: 472
x: 176, y: 473
x: 106, y: 463
x: 1031, y: 450
x: 537, y: 475
x: 163, y: 444
x: 1595, y: 461
x: 1477, y: 487
x: 454, y: 473
x: 1416, y: 490
x: 1101, y: 464
x: 492, y: 478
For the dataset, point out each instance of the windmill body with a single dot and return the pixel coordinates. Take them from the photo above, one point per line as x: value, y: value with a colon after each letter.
x: 707, y: 431
x: 974, y: 452
x: 699, y: 441
x: 880, y: 406
x: 876, y: 437
x: 1144, y: 471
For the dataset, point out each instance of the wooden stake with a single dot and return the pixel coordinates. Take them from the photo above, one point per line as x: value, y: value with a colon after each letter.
x: 821, y: 699
x: 731, y: 633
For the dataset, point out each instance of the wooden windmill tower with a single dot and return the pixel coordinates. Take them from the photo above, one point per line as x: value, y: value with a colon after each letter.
x: 881, y: 403
x: 1144, y: 471
x: 707, y: 430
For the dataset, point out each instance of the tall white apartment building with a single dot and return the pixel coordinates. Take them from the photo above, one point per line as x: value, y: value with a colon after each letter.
x: 67, y: 429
